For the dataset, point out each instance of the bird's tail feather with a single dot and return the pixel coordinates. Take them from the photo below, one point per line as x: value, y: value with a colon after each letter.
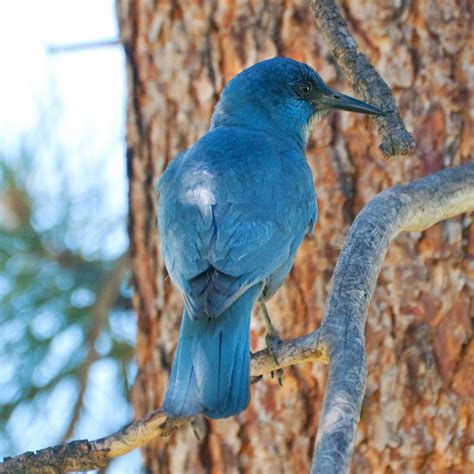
x: 211, y: 370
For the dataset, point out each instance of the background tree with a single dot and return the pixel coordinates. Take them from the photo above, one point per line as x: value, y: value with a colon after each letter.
x: 417, y: 412
x: 63, y: 226
x: 66, y: 321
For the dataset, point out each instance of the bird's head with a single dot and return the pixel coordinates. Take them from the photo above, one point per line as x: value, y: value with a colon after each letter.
x: 283, y: 95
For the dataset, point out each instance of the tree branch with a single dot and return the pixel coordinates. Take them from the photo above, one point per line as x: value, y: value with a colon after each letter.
x: 365, y: 80
x: 413, y: 207
x: 73, y: 47
x: 85, y: 455
x: 339, y: 340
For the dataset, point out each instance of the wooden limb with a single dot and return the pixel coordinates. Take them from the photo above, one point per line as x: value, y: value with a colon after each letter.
x: 84, y: 455
x: 365, y: 80
x: 73, y: 47
x: 413, y: 207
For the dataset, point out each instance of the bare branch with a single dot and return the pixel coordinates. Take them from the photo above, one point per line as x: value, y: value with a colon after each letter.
x: 85, y: 455
x: 69, y: 48
x: 365, y: 80
x: 340, y: 339
x: 413, y: 207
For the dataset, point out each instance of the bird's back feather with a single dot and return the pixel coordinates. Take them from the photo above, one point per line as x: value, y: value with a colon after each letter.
x: 230, y: 218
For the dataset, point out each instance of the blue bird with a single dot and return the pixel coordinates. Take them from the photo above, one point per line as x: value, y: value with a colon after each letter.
x: 233, y: 210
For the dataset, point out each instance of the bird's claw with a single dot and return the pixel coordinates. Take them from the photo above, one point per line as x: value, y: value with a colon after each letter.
x: 168, y: 426
x: 272, y: 341
x: 195, y: 427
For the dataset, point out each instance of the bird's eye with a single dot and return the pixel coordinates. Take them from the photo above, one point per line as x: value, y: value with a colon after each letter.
x: 305, y: 87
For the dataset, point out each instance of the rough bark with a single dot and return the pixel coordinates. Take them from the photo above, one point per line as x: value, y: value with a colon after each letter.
x: 417, y: 413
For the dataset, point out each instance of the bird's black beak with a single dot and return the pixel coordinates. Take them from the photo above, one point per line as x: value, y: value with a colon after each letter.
x: 330, y: 99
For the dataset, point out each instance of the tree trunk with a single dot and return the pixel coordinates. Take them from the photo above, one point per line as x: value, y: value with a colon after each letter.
x: 417, y: 415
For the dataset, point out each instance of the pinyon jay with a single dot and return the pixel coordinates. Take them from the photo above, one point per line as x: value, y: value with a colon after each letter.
x: 233, y: 210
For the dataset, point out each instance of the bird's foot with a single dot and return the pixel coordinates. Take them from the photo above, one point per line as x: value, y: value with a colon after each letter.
x: 169, y: 425
x: 272, y: 339
x: 195, y: 425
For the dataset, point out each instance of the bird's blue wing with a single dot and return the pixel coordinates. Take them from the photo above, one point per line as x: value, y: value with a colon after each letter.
x: 228, y: 222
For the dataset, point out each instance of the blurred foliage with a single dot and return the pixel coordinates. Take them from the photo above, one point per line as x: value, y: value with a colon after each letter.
x: 61, y: 312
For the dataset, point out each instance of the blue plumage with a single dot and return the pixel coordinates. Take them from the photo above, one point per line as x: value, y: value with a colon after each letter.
x: 210, y: 373
x: 233, y: 210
